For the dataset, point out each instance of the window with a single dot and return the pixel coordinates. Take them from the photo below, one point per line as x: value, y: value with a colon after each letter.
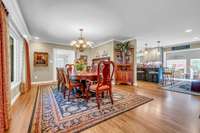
x: 179, y: 65
x: 11, y: 39
x: 61, y: 60
x: 16, y: 56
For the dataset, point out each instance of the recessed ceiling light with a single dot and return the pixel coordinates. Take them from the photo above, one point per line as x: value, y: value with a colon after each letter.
x: 188, y: 30
x: 196, y: 38
x: 36, y: 38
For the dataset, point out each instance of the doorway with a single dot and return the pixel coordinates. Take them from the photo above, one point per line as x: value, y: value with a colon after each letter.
x: 61, y: 58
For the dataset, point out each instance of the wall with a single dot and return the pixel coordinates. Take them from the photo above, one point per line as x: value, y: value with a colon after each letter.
x: 39, y: 74
x: 106, y: 48
x: 151, y: 56
x: 133, y: 44
x: 193, y: 45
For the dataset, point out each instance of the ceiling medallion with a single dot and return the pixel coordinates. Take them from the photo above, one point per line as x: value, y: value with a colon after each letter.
x: 81, y: 43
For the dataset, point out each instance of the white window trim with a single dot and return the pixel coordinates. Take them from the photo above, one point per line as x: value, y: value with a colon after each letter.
x: 17, y: 56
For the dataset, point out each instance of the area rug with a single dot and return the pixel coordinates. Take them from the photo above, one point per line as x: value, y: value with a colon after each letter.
x: 182, y: 87
x: 52, y: 113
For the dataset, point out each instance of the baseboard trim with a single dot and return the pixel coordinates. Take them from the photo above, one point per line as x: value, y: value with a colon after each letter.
x: 135, y: 84
x: 15, y: 98
x: 44, y: 83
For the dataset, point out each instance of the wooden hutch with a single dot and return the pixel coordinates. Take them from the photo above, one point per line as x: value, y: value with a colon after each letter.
x: 124, y: 66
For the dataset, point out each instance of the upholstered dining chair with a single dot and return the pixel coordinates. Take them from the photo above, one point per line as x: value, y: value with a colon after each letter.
x: 105, y: 72
x: 70, y: 83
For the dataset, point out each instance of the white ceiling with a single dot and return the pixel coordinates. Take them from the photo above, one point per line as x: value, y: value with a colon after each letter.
x: 146, y: 20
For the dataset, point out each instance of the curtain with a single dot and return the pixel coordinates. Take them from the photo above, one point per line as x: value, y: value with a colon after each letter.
x: 26, y: 85
x: 4, y: 71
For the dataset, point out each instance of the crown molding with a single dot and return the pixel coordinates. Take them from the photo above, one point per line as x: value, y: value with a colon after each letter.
x: 130, y: 39
x: 103, y: 43
x: 15, y: 17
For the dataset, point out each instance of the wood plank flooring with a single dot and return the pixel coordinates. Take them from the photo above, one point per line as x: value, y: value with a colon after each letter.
x: 169, y: 112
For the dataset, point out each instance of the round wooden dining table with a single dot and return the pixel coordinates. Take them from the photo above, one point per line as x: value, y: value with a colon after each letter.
x: 83, y: 76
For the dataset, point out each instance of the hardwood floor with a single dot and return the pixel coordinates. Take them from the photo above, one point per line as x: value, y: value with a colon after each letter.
x: 169, y: 112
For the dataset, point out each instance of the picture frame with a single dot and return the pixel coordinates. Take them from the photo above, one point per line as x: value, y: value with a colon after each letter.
x: 40, y: 59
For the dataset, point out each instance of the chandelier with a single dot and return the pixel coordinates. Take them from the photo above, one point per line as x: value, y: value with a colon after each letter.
x: 81, y: 44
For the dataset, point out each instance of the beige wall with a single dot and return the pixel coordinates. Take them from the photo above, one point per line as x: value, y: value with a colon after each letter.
x: 39, y: 74
x: 133, y: 43
x: 107, y: 47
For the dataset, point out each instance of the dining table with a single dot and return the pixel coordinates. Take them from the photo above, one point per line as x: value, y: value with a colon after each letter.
x: 83, y: 77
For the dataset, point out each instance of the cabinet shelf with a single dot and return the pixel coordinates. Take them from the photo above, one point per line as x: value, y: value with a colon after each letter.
x: 124, y: 67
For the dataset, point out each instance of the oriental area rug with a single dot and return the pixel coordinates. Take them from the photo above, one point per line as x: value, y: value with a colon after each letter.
x: 52, y: 113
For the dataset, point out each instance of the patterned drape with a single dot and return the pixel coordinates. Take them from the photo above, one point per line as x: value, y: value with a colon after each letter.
x: 4, y: 71
x: 26, y: 84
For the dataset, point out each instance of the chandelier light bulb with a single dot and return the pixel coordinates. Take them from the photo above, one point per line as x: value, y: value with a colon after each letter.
x: 77, y: 45
x: 73, y: 42
x: 88, y: 43
x: 84, y: 45
x: 81, y: 43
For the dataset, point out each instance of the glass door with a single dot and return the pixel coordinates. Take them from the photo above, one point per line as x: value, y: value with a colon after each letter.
x: 179, y: 67
x: 195, y: 69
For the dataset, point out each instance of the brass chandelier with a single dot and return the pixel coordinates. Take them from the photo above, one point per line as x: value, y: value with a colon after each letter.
x: 81, y: 43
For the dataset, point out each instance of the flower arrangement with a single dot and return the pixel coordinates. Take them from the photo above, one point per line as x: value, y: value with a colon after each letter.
x: 80, y: 65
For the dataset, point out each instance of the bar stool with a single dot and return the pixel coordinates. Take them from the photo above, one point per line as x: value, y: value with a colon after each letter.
x: 168, y: 75
x: 140, y: 75
x: 153, y: 76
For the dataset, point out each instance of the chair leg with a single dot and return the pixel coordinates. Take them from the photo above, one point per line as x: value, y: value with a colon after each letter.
x: 58, y: 86
x: 97, y: 98
x: 87, y: 95
x: 110, y: 94
x: 102, y: 94
x: 64, y: 92
x: 69, y: 92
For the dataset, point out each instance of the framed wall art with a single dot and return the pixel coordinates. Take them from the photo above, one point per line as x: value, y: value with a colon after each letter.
x: 40, y: 59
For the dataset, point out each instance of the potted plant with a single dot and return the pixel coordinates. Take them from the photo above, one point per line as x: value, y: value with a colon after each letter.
x: 123, y: 47
x: 80, y: 65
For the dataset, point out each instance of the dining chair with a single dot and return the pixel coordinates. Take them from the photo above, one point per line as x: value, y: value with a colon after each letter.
x: 105, y: 72
x: 60, y: 78
x: 69, y: 83
x: 70, y: 66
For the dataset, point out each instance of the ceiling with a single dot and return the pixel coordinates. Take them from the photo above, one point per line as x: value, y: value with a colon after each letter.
x: 146, y: 20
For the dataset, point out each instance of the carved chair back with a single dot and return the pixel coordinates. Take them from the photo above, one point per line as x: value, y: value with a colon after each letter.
x: 105, y: 73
